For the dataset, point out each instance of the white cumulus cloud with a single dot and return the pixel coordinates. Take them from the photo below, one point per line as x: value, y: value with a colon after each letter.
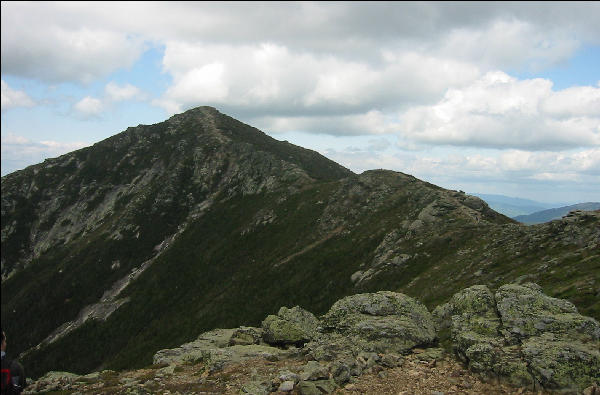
x: 115, y: 92
x: 13, y: 98
x: 276, y: 81
x: 500, y: 111
x: 52, y: 43
x: 89, y: 106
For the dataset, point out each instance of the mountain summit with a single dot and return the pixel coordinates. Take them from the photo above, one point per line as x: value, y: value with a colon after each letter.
x: 148, y: 238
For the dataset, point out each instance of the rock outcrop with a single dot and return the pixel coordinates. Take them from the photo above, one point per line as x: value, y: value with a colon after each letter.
x: 290, y: 326
x: 517, y: 334
x: 357, y: 334
x: 382, y: 322
x: 219, y: 347
x: 523, y: 337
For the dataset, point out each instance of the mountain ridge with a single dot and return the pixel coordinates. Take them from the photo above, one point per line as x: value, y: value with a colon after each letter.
x: 555, y: 213
x: 163, y: 231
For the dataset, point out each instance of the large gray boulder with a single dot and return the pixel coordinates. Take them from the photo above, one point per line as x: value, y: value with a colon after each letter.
x: 525, y: 312
x: 290, y: 326
x: 561, y: 363
x: 385, y: 322
x: 218, y: 348
x: 522, y: 336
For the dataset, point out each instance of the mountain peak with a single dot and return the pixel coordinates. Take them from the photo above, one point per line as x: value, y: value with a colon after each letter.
x: 201, y: 112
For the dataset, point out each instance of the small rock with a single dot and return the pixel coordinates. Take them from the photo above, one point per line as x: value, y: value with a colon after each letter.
x: 326, y: 386
x: 313, y: 370
x: 256, y: 388
x: 431, y: 354
x: 391, y: 360
x: 286, y: 386
x: 308, y: 388
x: 244, y: 336
x: 340, y: 372
x: 286, y: 375
x: 270, y: 357
x: 466, y: 384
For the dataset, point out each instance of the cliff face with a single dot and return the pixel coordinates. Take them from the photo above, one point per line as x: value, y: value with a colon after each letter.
x: 156, y: 234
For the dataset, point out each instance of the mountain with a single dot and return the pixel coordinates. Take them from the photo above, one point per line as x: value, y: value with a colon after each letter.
x: 555, y: 213
x: 150, y: 237
x: 512, y: 206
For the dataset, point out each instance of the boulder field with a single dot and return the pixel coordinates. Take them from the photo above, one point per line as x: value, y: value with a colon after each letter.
x: 517, y: 336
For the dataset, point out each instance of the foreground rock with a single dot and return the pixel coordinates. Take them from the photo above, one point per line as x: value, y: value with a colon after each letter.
x: 372, y: 342
x: 358, y: 334
x: 382, y: 322
x: 290, y: 326
x: 523, y: 337
x: 360, y: 328
x: 219, y: 347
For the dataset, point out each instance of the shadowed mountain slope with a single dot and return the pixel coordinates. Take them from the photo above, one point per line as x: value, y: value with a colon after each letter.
x: 161, y: 232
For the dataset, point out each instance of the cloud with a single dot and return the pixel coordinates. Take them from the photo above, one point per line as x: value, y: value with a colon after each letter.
x: 370, y: 122
x: 115, y: 93
x: 509, y: 44
x: 90, y: 107
x: 273, y: 80
x: 580, y: 167
x: 12, y: 98
x: 80, y: 41
x: 500, y: 111
x: 38, y: 43
x: 580, y: 101
x: 19, y: 152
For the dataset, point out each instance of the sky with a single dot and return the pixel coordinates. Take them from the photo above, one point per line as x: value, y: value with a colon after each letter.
x: 496, y: 98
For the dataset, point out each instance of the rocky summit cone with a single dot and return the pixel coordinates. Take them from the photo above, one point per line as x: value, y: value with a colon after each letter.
x: 148, y: 238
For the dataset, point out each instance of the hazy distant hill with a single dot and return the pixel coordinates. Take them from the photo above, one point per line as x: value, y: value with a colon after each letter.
x: 150, y: 237
x: 511, y: 206
x: 555, y: 213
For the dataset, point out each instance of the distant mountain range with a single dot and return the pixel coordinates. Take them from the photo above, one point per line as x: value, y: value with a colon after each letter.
x: 555, y: 213
x: 512, y: 206
x: 530, y: 211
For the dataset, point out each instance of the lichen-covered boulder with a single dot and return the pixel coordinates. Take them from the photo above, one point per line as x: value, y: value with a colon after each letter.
x: 245, y: 335
x: 525, y: 311
x: 290, y: 326
x: 381, y: 322
x: 313, y: 370
x: 215, y: 349
x: 566, y: 365
x: 474, y: 323
x: 522, y: 336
